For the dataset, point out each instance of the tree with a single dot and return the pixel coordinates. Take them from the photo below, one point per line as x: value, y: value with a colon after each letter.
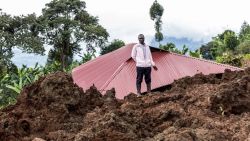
x: 208, y: 51
x: 168, y: 47
x: 18, y: 32
x: 244, y: 32
x: 67, y: 24
x: 229, y: 58
x: 6, y: 42
x: 172, y: 48
x: 114, y: 45
x: 27, y: 29
x: 86, y: 57
x: 225, y: 42
x: 156, y: 12
x: 231, y: 40
x: 244, y: 47
x: 195, y: 53
x: 184, y: 50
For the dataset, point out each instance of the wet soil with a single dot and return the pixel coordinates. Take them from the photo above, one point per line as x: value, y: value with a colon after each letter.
x: 215, y: 107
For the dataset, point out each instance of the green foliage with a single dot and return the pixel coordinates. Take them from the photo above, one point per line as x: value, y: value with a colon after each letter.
x: 229, y: 48
x: 23, y: 77
x: 228, y: 58
x: 87, y: 57
x: 6, y: 68
x: 67, y: 24
x: 12, y: 83
x: 168, y: 46
x: 27, y: 29
x: 6, y: 42
x: 246, y: 56
x: 53, y: 67
x: 72, y: 66
x: 64, y: 24
x: 227, y: 41
x: 195, y: 53
x: 246, y: 60
x: 208, y: 51
x: 18, y: 31
x: 231, y: 40
x: 244, y: 47
x: 172, y: 48
x: 7, y: 96
x: 184, y: 50
x: 244, y: 32
x: 156, y: 12
x: 158, y: 36
x: 114, y: 45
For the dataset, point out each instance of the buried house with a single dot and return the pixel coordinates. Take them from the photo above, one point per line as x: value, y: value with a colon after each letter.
x: 117, y: 70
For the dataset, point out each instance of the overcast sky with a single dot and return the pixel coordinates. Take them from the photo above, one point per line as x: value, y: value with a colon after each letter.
x: 197, y: 20
x: 124, y: 19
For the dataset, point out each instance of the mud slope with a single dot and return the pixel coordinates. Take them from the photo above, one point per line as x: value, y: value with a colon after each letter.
x: 199, y: 108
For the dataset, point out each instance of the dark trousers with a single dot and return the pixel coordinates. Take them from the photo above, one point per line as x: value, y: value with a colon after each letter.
x: 143, y: 71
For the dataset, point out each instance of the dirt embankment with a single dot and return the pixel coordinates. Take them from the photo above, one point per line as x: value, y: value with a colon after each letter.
x: 213, y: 107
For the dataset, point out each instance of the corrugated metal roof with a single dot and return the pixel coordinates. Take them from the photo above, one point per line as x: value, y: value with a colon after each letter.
x: 101, y: 69
x: 117, y: 70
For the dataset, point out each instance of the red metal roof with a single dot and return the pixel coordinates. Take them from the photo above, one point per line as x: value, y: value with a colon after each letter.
x: 117, y: 70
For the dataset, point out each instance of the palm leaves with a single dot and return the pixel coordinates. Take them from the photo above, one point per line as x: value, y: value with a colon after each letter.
x: 12, y: 84
x: 23, y: 77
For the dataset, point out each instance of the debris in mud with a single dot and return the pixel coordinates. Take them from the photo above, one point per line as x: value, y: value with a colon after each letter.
x: 213, y: 107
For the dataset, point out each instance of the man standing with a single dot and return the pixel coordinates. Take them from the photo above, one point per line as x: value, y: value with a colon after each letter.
x: 142, y: 56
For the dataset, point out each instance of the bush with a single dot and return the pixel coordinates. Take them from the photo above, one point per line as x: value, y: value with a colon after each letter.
x: 244, y: 47
x: 246, y: 60
x: 227, y: 58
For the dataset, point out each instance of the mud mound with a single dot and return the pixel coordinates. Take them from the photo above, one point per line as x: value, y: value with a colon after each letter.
x: 213, y: 107
x: 51, y: 108
x: 232, y: 97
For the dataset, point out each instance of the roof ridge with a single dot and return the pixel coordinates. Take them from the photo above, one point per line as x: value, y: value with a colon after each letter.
x: 204, y: 60
x: 117, y: 71
x: 102, y: 56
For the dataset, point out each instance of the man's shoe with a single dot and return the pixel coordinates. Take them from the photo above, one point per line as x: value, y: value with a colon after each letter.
x: 139, y: 94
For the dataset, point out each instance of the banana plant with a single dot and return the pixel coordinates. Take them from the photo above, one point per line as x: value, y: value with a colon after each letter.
x: 16, y: 87
x: 6, y: 95
x: 195, y: 53
x: 19, y: 80
x: 24, y: 76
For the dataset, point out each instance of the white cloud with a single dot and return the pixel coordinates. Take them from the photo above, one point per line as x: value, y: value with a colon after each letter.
x: 19, y: 7
x: 125, y: 19
x: 201, y: 19
x: 193, y: 19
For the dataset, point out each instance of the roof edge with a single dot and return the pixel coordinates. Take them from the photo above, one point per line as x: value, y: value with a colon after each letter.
x: 209, y: 61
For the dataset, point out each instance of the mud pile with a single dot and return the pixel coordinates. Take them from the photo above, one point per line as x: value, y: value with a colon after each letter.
x: 214, y: 107
x: 51, y: 108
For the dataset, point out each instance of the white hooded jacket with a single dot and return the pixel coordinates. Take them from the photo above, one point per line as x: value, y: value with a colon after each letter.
x: 138, y: 56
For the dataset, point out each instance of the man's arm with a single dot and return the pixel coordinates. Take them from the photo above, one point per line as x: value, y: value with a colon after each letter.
x: 152, y: 61
x: 133, y: 53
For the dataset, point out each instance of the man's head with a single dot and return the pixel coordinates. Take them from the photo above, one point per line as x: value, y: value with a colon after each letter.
x: 141, y: 38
